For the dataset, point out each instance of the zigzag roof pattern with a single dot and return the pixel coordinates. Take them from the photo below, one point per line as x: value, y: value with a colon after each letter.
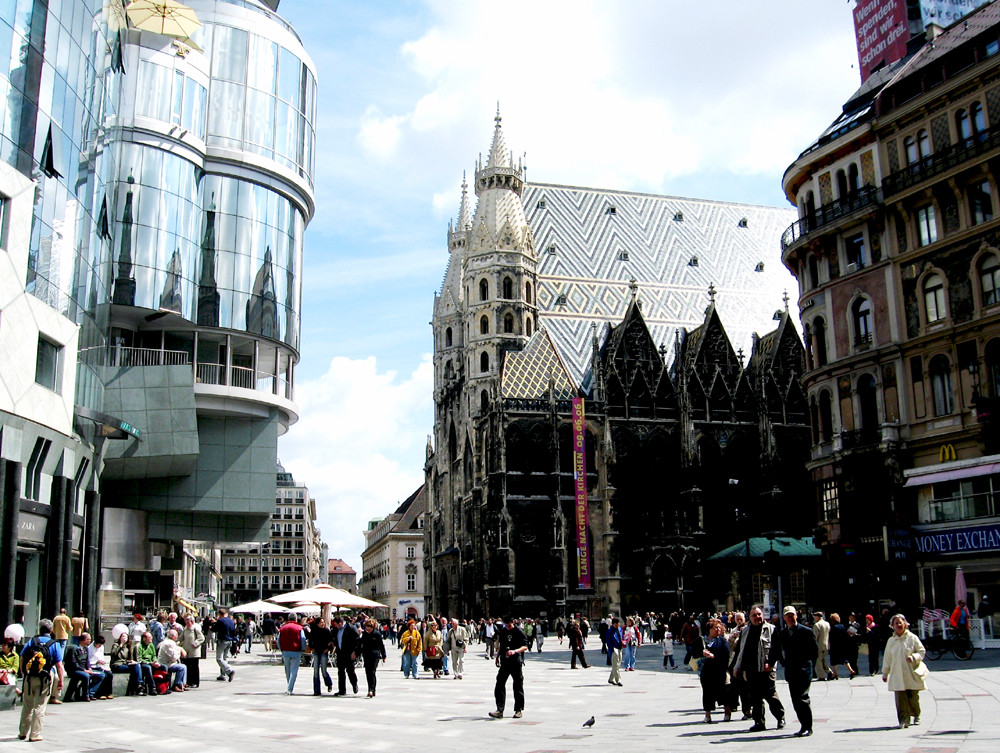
x: 591, y: 242
x: 528, y: 374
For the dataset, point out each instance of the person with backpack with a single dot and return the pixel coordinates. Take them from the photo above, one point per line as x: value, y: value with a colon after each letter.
x: 40, y: 658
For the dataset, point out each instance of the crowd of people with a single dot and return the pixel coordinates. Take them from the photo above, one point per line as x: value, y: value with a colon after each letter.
x: 735, y: 655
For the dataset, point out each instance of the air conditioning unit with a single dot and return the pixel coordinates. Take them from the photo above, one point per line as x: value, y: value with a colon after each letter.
x: 852, y: 267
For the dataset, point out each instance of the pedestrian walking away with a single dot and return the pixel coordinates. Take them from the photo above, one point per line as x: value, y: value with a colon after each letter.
x: 821, y: 630
x: 225, y: 635
x: 292, y: 642
x: 798, y: 655
x: 512, y: 644
x: 575, y: 637
x: 904, y: 670
x: 41, y: 667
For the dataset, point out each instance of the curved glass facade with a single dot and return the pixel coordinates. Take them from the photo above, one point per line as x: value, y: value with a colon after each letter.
x: 58, y: 88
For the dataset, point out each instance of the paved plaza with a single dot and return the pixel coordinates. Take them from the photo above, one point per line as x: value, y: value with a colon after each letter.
x: 656, y: 709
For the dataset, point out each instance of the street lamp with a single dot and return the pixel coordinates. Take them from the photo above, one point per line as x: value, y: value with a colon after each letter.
x: 261, y: 550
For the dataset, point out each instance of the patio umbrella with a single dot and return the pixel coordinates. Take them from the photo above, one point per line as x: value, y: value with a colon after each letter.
x: 258, y: 607
x: 166, y: 17
x: 326, y: 596
x: 961, y: 593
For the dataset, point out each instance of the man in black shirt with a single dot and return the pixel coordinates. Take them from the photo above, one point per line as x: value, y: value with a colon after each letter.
x: 512, y: 643
x: 798, y: 653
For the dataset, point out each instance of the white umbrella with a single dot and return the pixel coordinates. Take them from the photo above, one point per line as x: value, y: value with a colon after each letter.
x: 326, y: 596
x: 257, y: 607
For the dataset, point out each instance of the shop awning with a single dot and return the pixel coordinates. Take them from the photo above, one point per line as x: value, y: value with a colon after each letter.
x: 953, y: 474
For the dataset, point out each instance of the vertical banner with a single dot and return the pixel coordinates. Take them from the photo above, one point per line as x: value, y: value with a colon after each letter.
x: 582, y: 514
x: 882, y: 32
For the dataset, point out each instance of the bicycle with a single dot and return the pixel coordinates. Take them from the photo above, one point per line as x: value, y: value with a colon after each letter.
x: 958, y: 643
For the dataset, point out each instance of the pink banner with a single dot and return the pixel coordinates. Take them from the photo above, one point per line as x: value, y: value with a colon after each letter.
x: 882, y: 32
x: 582, y: 514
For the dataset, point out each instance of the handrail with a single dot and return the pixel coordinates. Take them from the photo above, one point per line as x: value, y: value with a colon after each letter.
x: 129, y: 357
x: 864, y: 197
x: 940, y: 161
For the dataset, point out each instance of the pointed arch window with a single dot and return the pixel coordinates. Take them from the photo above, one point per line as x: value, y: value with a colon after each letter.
x: 447, y: 337
x: 508, y: 324
x: 527, y: 293
x: 508, y: 288
x: 484, y: 363
x: 484, y: 325
x: 940, y: 371
x: 527, y: 326
x: 934, y: 298
x: 484, y: 290
x: 484, y: 401
x: 989, y: 279
x: 861, y: 312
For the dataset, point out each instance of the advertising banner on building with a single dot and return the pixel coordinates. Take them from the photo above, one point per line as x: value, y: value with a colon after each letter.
x: 581, y: 512
x: 970, y: 540
x: 882, y: 32
x: 946, y: 12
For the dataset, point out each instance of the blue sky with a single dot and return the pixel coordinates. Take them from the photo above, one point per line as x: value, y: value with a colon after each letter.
x: 706, y: 100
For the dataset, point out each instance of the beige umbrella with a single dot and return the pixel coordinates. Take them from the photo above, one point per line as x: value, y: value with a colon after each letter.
x: 326, y: 596
x: 259, y: 607
x: 166, y: 17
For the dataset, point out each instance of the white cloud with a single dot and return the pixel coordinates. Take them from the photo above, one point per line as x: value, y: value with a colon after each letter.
x: 379, y: 136
x: 359, y: 445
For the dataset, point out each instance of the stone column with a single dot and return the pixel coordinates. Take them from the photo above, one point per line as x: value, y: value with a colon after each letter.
x: 91, y: 570
x: 10, y: 511
x: 54, y: 534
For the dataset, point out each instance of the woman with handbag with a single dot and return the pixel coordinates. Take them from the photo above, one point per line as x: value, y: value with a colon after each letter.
x: 904, y: 670
x: 433, y: 648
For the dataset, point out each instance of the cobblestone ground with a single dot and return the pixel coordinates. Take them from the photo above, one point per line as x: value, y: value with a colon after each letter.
x: 656, y: 709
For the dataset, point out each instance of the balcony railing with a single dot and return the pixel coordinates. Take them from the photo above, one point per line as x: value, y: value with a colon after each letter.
x: 865, y: 197
x: 941, y: 161
x: 962, y: 508
x: 854, y: 440
x: 126, y: 357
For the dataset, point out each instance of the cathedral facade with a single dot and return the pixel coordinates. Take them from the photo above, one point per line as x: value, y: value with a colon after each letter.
x: 597, y: 434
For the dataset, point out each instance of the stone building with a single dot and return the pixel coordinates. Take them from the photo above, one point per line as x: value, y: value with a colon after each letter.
x: 896, y: 253
x: 392, y: 562
x: 557, y: 292
x: 341, y: 575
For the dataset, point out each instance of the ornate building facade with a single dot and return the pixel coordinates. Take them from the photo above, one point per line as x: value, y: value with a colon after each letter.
x: 896, y: 253
x: 557, y: 292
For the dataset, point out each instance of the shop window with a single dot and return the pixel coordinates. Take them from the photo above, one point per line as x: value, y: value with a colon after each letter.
x: 934, y: 298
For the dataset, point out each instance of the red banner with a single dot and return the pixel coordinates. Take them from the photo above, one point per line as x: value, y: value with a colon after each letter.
x: 582, y: 514
x: 882, y: 32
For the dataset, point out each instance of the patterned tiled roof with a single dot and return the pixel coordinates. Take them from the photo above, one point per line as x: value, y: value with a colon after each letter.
x: 591, y: 242
x: 527, y: 374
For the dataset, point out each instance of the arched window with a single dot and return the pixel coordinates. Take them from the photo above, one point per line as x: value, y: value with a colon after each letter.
x: 813, y: 266
x: 484, y: 401
x: 962, y: 125
x: 940, y: 371
x: 861, y: 312
x: 527, y: 326
x: 810, y: 205
x: 923, y: 144
x: 484, y: 290
x: 991, y: 357
x: 508, y: 288
x: 825, y: 416
x: 484, y: 363
x: 484, y: 325
x: 447, y: 337
x: 867, y: 403
x: 853, y: 179
x: 989, y: 279
x: 978, y: 120
x: 934, y: 298
x: 841, y: 184
x: 814, y: 420
x: 819, y: 327
x: 910, y: 147
x: 527, y: 292
x: 449, y: 370
x: 508, y: 324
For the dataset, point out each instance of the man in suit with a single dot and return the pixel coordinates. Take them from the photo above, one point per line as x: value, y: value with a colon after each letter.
x: 755, y: 661
x: 821, y: 631
x: 798, y: 653
x: 348, y: 644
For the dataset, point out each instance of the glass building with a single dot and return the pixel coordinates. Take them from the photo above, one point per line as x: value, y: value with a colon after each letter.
x: 155, y: 191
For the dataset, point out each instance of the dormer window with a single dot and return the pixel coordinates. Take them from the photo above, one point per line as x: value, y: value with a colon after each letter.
x: 743, y: 222
x: 623, y: 255
x: 679, y: 217
x: 693, y: 261
x: 759, y: 267
x: 552, y: 249
x: 561, y: 299
x: 540, y: 204
x: 611, y: 209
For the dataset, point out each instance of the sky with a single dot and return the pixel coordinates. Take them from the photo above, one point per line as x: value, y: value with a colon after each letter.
x: 702, y: 100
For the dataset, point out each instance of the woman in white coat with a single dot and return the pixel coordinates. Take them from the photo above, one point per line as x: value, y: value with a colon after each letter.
x: 904, y: 669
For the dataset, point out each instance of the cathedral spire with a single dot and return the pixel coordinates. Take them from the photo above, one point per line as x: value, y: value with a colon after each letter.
x: 464, y: 216
x: 498, y: 151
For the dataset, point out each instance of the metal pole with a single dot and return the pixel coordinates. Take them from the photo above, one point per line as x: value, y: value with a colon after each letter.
x: 260, y: 572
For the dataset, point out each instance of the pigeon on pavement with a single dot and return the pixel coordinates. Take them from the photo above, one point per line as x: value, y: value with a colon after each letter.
x: 589, y: 722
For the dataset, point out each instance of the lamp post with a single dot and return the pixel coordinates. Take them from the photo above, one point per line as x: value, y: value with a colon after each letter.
x: 261, y: 550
